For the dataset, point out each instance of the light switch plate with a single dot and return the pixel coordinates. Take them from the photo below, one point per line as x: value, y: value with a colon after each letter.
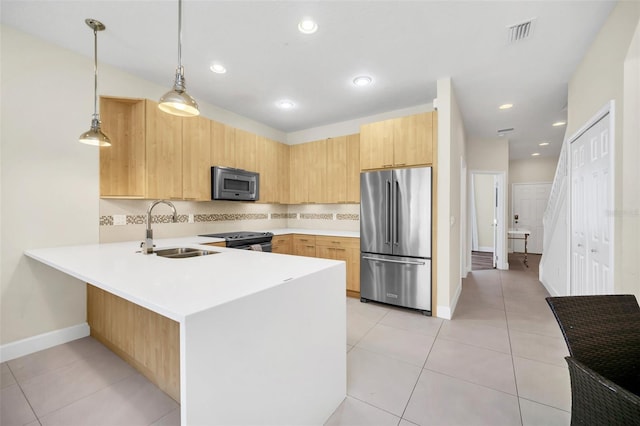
x: 119, y: 219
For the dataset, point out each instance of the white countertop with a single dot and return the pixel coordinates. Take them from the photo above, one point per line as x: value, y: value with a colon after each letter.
x: 177, y: 288
x: 331, y: 233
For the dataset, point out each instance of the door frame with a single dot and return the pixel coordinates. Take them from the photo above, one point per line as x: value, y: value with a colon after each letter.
x: 608, y: 108
x: 500, y: 248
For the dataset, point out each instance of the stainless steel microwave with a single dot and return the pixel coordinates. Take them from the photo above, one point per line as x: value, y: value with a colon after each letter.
x: 234, y: 184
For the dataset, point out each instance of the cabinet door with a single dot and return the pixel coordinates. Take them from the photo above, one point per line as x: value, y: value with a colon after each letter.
x: 304, y: 245
x: 315, y: 159
x: 376, y: 145
x: 298, y: 175
x: 281, y: 244
x: 164, y: 153
x: 245, y: 150
x: 223, y: 145
x: 283, y: 174
x: 412, y: 140
x: 123, y: 164
x: 353, y: 269
x: 267, y: 166
x: 346, y: 249
x: 196, y: 154
x: 353, y: 168
x: 336, y: 170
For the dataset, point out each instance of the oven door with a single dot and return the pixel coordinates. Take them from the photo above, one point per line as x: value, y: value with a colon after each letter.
x: 263, y: 247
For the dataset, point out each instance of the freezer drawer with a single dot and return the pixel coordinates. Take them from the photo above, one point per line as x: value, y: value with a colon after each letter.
x: 401, y: 281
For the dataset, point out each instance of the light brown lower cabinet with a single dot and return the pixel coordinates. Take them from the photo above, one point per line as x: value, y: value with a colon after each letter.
x: 146, y: 340
x: 304, y: 245
x: 347, y: 250
x: 281, y: 244
x: 338, y: 248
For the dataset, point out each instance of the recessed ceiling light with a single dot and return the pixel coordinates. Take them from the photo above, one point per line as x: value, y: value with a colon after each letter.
x: 535, y: 154
x: 559, y: 123
x: 286, y: 104
x: 543, y: 143
x: 307, y: 26
x: 218, y: 68
x: 362, y: 80
x: 505, y: 106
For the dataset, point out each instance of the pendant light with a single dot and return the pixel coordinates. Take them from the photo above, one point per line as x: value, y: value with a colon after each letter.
x: 95, y: 136
x: 177, y: 101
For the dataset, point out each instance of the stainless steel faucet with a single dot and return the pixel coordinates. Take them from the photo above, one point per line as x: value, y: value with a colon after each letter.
x: 147, y: 244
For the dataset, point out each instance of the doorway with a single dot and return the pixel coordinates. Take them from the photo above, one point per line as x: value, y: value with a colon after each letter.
x: 487, y: 220
x: 529, y: 204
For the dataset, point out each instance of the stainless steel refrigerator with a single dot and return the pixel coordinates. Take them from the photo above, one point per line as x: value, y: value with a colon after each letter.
x: 395, y: 237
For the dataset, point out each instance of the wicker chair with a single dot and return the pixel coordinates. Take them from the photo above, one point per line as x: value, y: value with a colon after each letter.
x: 603, y: 337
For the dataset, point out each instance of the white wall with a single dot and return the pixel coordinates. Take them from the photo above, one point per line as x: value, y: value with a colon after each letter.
x: 451, y: 148
x: 600, y: 77
x: 535, y: 170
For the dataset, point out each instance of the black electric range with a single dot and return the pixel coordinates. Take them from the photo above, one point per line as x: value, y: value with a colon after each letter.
x: 259, y: 241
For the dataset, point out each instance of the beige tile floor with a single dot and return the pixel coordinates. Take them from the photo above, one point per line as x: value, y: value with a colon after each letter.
x: 499, y: 361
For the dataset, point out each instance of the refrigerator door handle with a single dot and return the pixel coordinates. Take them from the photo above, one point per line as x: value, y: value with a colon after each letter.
x: 395, y: 213
x: 387, y: 223
x: 394, y: 261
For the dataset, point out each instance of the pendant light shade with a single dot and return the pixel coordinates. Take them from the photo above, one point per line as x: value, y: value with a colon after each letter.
x: 177, y: 101
x: 95, y: 136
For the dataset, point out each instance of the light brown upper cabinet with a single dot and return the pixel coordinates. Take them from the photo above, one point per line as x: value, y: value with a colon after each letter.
x: 123, y: 164
x: 223, y: 145
x: 145, y: 159
x: 164, y: 154
x: 343, y: 169
x: 353, y: 168
x: 308, y: 173
x: 245, y: 150
x: 196, y: 163
x: 283, y: 173
x: 325, y: 171
x: 399, y: 142
x: 267, y: 165
x: 297, y: 174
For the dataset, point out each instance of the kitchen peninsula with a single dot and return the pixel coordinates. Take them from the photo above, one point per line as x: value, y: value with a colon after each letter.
x: 261, y: 335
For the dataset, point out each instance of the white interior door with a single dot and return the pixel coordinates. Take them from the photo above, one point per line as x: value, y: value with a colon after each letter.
x: 591, y: 207
x: 529, y: 203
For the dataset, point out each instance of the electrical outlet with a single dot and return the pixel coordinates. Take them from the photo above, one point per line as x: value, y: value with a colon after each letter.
x: 191, y: 218
x: 119, y: 219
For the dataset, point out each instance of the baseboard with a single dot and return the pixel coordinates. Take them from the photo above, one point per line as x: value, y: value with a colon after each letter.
x: 37, y: 343
x: 485, y: 249
x: 446, y: 312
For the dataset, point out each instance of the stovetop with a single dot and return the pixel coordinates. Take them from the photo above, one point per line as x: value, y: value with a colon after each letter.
x: 243, y: 235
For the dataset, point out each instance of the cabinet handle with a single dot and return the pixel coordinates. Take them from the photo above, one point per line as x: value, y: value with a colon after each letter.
x: 387, y: 165
x: 401, y: 164
x: 341, y: 249
x: 310, y: 246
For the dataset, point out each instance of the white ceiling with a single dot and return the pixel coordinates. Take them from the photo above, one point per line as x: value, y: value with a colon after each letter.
x: 404, y: 45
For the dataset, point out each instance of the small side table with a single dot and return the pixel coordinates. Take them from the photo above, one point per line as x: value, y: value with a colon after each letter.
x: 520, y: 234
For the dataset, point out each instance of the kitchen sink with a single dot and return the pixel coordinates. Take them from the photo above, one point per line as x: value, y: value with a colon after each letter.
x: 183, y: 252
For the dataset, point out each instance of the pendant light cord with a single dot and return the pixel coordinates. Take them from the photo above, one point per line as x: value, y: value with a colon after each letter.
x: 180, y: 34
x: 95, y: 73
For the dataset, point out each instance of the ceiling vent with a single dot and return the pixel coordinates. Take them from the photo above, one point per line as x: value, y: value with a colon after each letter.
x: 520, y: 31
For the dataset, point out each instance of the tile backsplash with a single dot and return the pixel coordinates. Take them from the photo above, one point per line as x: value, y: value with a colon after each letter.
x: 125, y: 220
